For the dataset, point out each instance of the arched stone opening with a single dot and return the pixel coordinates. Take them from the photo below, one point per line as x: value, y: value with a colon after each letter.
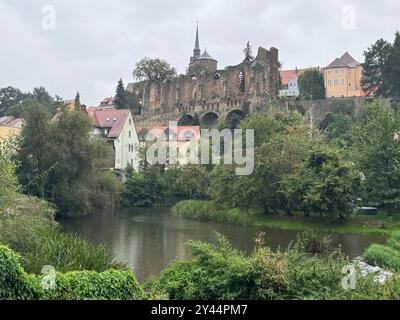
x: 209, y: 120
x: 233, y: 118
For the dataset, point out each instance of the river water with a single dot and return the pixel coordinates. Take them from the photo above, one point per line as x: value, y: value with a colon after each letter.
x: 150, y: 239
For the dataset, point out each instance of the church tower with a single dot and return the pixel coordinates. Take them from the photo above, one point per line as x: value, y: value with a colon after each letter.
x: 196, y: 51
x: 200, y: 61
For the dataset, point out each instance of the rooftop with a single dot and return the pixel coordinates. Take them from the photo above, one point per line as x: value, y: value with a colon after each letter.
x: 345, y: 61
x: 111, y: 119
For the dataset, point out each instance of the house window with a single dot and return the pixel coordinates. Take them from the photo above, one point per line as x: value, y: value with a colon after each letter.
x: 130, y: 134
x: 130, y: 122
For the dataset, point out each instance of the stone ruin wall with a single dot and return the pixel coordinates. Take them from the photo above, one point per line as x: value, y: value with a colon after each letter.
x: 217, y: 91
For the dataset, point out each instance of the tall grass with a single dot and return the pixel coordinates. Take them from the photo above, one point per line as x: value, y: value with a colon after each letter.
x: 208, y: 211
x: 40, y: 242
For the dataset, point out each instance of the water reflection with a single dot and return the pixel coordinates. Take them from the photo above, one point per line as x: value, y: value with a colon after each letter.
x: 148, y: 240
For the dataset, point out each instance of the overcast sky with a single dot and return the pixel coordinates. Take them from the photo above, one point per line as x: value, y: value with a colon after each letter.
x: 96, y: 42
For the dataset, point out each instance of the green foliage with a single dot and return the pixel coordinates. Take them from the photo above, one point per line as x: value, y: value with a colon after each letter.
x: 209, y: 211
x: 377, y: 152
x: 146, y: 189
x: 120, y: 97
x: 10, y: 98
x: 324, y: 184
x: 220, y: 272
x: 266, y: 126
x: 155, y: 70
x: 30, y: 230
x: 381, y: 68
x: 214, y: 273
x: 61, y: 163
x: 383, y: 256
x: 16, y: 284
x: 8, y: 181
x: 78, y: 102
x: 189, y: 182
x: 312, y: 85
x: 90, y: 285
x: 314, y: 242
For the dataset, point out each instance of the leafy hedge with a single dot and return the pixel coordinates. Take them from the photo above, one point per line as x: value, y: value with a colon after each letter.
x: 16, y: 284
x: 383, y: 256
x: 220, y: 272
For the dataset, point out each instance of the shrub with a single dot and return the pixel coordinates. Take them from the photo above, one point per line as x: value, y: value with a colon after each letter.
x: 219, y: 272
x: 90, y: 285
x: 383, y: 256
x: 215, y: 273
x: 16, y: 284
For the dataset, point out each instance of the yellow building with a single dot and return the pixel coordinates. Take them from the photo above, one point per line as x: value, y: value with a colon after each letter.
x: 7, y: 133
x: 343, y: 77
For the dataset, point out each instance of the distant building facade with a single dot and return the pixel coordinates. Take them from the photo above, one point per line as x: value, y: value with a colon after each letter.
x: 181, y: 138
x: 118, y: 127
x: 290, y: 82
x: 343, y: 77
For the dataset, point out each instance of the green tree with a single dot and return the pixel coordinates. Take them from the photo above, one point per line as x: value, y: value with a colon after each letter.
x: 312, y: 85
x: 120, y: 97
x: 248, y: 53
x: 61, y: 163
x: 375, y: 79
x: 155, y: 70
x: 324, y: 184
x: 377, y: 153
x: 10, y: 98
x: 394, y: 67
x: 133, y: 102
x: 78, y: 102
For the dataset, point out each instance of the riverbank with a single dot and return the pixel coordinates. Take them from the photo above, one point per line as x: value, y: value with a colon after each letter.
x: 358, y: 224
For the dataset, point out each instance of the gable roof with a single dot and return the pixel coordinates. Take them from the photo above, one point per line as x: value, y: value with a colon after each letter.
x: 345, y: 61
x: 110, y: 119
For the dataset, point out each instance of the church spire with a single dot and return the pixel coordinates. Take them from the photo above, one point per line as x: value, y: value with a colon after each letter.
x: 197, y: 51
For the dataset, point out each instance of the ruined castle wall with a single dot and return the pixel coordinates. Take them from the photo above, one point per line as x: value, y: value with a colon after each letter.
x: 219, y: 90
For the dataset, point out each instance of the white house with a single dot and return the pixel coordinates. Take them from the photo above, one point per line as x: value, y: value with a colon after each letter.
x: 118, y: 127
x: 292, y: 88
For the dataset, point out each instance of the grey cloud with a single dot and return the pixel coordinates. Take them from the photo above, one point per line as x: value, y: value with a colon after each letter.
x: 97, y: 42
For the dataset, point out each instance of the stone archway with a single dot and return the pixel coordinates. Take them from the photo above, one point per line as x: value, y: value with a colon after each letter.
x: 209, y: 120
x: 188, y: 120
x: 233, y: 118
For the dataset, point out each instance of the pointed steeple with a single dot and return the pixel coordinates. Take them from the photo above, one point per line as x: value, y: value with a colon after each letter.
x: 197, y: 51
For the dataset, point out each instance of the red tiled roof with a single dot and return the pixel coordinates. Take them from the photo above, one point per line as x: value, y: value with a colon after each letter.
x: 112, y: 119
x: 286, y: 76
x: 11, y: 122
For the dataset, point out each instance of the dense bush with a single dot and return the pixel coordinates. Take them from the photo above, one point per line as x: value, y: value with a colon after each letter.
x: 214, y: 273
x: 383, y: 256
x: 219, y: 272
x: 16, y: 284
